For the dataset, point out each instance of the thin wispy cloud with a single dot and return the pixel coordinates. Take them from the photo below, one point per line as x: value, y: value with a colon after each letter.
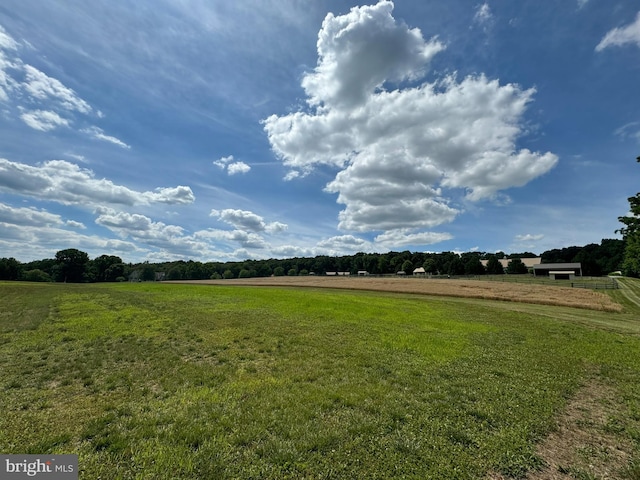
x: 628, y: 34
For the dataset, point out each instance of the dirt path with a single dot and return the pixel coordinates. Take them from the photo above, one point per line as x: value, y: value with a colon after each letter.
x: 505, y: 291
x: 583, y: 445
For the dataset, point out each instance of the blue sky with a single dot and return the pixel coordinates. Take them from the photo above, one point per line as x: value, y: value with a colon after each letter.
x: 219, y: 131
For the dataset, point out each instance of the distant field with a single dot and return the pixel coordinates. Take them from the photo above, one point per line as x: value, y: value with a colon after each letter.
x: 227, y: 381
x: 559, y: 293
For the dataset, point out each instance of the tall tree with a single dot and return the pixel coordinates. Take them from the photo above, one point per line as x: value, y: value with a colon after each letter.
x: 516, y: 266
x: 102, y: 264
x: 407, y: 267
x: 494, y: 267
x: 9, y: 269
x: 71, y: 265
x: 631, y: 234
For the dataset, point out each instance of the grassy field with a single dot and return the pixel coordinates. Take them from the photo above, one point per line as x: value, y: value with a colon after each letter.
x: 206, y: 382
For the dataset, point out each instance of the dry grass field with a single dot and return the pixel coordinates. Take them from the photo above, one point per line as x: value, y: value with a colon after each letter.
x: 504, y: 291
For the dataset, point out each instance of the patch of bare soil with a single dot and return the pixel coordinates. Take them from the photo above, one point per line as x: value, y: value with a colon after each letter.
x: 584, y: 444
x: 505, y: 291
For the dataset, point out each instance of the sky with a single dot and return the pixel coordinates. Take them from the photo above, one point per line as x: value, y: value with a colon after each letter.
x: 210, y: 130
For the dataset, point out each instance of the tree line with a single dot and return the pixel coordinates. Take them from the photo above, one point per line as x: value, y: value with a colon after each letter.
x: 75, y: 266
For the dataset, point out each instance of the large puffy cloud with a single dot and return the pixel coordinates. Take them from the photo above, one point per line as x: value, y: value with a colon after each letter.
x: 69, y: 184
x: 174, y: 238
x: 400, y: 152
x: 360, y: 51
x: 622, y: 35
x: 153, y: 234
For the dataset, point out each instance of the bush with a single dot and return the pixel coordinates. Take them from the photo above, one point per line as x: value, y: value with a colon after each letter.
x: 228, y: 274
x: 36, y: 275
x: 244, y: 273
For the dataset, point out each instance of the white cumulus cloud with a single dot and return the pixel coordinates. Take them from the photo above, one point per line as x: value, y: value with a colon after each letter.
x: 402, y: 150
x: 404, y: 237
x: 43, y: 120
x: 27, y: 216
x: 232, y: 166
x: 69, y: 184
x: 246, y: 220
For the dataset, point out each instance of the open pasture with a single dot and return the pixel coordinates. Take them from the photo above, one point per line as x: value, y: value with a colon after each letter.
x: 229, y: 381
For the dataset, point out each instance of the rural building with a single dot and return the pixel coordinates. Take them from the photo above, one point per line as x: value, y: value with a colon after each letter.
x: 528, y: 262
x: 401, y: 272
x: 558, y: 271
x: 419, y: 271
x: 362, y: 273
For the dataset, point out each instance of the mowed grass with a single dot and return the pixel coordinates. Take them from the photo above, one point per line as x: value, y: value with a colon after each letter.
x: 206, y: 382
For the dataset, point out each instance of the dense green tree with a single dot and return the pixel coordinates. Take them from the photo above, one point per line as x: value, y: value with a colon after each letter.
x: 407, y: 267
x: 148, y: 272
x: 494, y: 267
x: 473, y: 265
x: 176, y: 272
x: 228, y: 274
x: 516, y: 266
x: 631, y: 235
x: 278, y: 272
x: 71, y: 265
x: 430, y: 266
x: 102, y: 265
x: 244, y: 273
x: 560, y: 255
x: 456, y: 266
x: 9, y: 269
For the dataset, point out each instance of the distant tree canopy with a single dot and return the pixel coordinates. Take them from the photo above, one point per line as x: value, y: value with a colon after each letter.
x: 72, y: 265
x: 631, y: 234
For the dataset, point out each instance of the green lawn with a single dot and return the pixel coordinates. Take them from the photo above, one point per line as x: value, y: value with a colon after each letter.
x: 205, y: 382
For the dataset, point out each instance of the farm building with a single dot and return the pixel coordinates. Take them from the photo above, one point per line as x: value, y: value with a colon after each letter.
x: 558, y: 271
x: 419, y: 271
x: 528, y: 262
x: 363, y: 273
